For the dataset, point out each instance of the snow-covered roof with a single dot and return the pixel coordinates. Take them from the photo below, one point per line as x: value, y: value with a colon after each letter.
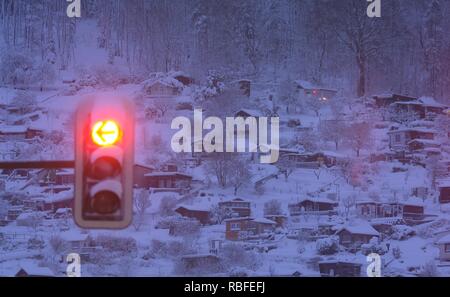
x: 264, y: 221
x: 444, y: 183
x: 195, y: 207
x: 423, y: 101
x: 163, y: 79
x: 421, y: 130
x: 67, y: 171
x: 424, y: 141
x: 310, y: 86
x: 239, y: 219
x: 364, y: 229
x: 13, y: 129
x: 444, y: 240
x: 164, y: 173
x: 61, y: 196
x: 390, y: 95
x: 37, y: 271
x: 251, y: 112
x: 319, y: 200
x: 74, y: 236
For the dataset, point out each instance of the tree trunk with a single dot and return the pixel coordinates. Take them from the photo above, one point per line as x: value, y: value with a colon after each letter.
x: 361, y: 87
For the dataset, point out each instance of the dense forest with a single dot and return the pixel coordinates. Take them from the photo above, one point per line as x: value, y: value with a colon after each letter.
x: 328, y: 42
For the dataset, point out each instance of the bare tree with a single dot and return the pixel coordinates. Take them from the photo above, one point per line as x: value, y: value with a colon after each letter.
x: 272, y: 207
x: 239, y: 174
x: 286, y: 167
x: 162, y: 105
x: 358, y: 136
x: 141, y: 203
x: 332, y: 130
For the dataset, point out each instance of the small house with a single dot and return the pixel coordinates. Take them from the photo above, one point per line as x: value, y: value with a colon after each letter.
x: 335, y: 268
x: 444, y: 191
x: 246, y: 112
x: 140, y: 170
x: 247, y: 227
x: 423, y: 107
x: 237, y: 207
x: 162, y: 87
x: 410, y: 209
x: 280, y: 220
x: 313, y: 206
x: 76, y: 241
x: 65, y: 177
x: 400, y: 139
x: 174, y: 181
x: 307, y: 89
x: 63, y: 199
x: 384, y: 100
x: 350, y: 236
x: 202, y: 214
x: 34, y: 271
x: 444, y: 248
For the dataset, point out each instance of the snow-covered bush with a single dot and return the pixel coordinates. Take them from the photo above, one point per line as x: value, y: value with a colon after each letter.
x: 272, y: 207
x: 109, y: 75
x: 184, y: 227
x: 173, y: 248
x: 402, y: 232
x: 235, y: 255
x: 57, y: 244
x: 16, y: 68
x: 167, y: 205
x: 396, y: 252
x: 373, y: 247
x: 35, y: 243
x: 429, y: 269
x: 327, y: 246
x: 124, y: 245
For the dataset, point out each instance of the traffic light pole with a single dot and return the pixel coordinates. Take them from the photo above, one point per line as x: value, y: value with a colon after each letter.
x: 37, y: 164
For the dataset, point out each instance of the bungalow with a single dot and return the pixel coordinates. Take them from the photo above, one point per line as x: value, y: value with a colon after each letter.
x: 351, y: 236
x: 306, y: 89
x: 399, y: 140
x: 18, y: 133
x: 13, y: 213
x: 75, y: 240
x: 312, y: 205
x: 34, y: 271
x: 140, y: 170
x: 281, y: 220
x: 335, y: 268
x: 314, y: 160
x: 423, y: 107
x: 174, y: 181
x: 237, y: 207
x: 247, y: 227
x: 385, y: 100
x: 245, y: 113
x: 162, y: 87
x: 419, y: 145
x: 444, y: 191
x: 444, y: 248
x: 411, y: 209
x: 61, y: 200
x: 202, y: 214
x: 64, y: 177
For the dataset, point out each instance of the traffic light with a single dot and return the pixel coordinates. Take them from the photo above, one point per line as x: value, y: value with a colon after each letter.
x: 104, y: 160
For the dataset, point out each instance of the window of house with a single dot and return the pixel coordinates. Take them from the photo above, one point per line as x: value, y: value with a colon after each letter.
x: 397, y: 138
x: 235, y: 226
x: 447, y: 247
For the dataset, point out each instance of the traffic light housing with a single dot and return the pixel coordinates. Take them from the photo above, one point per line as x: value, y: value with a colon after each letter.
x: 104, y: 161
